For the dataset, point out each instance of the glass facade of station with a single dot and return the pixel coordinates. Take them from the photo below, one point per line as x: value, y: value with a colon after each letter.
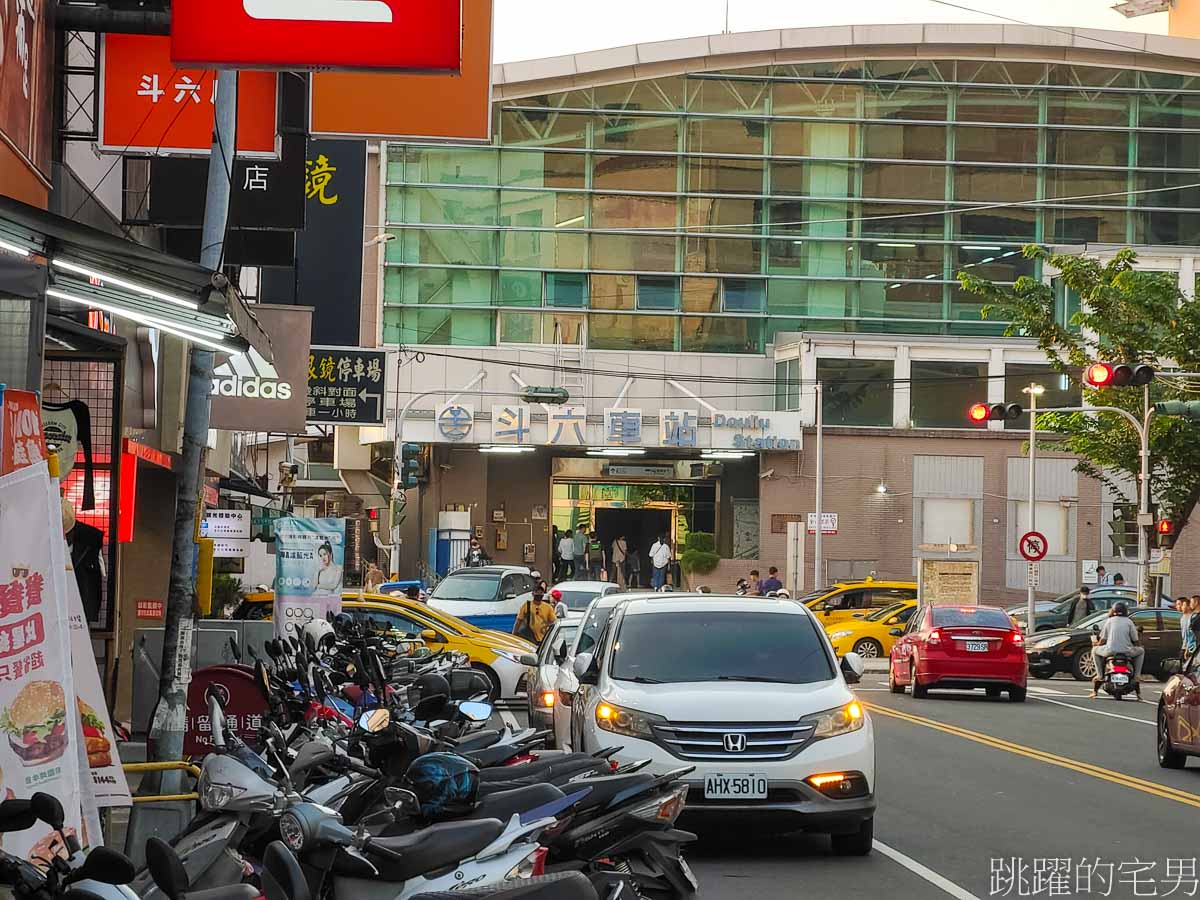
x: 707, y: 212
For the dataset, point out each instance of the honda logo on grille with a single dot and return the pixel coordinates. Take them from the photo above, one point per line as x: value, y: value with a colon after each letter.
x: 734, y: 743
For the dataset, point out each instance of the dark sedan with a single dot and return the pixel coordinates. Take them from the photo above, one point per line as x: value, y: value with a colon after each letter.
x: 1068, y: 649
x: 1056, y: 617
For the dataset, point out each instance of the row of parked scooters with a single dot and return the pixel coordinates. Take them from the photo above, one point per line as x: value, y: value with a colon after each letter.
x: 374, y: 779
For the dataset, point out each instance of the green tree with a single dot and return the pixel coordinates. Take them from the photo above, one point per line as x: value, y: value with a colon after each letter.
x: 1127, y: 316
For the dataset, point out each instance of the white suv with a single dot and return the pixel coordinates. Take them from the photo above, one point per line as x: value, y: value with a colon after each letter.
x: 747, y: 691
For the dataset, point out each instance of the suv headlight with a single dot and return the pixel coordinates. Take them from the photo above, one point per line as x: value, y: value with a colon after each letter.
x: 833, y: 722
x: 629, y: 722
x: 1050, y: 643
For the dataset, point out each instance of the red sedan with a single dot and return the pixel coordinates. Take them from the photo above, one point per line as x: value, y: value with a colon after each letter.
x: 962, y: 647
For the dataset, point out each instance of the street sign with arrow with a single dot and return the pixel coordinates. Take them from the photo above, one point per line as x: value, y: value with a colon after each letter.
x: 346, y: 386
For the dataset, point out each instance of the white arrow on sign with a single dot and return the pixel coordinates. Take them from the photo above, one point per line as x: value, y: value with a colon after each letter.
x: 378, y: 398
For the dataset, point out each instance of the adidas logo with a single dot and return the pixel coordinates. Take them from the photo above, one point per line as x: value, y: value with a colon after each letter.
x: 249, y: 375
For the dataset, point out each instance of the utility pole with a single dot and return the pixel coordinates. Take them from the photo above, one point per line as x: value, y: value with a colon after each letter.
x: 170, y: 716
x: 819, y: 491
x: 1034, y: 391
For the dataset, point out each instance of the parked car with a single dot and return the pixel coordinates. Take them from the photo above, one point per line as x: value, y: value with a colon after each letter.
x: 1179, y: 714
x: 594, y: 619
x: 842, y: 601
x: 963, y: 647
x: 1056, y: 617
x: 496, y: 655
x: 1069, y: 649
x: 748, y: 694
x: 487, y: 597
x: 578, y: 594
x: 542, y: 693
x: 871, y: 636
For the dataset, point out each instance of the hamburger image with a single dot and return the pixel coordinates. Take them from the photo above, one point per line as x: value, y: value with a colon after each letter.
x: 99, y: 750
x: 35, y: 723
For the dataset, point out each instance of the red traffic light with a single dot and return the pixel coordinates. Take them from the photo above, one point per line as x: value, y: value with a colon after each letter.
x: 979, y: 413
x: 1099, y: 375
x: 1166, y: 527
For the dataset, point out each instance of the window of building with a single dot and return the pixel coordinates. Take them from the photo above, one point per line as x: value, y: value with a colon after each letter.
x: 1059, y: 390
x: 564, y: 289
x: 947, y: 520
x: 787, y: 385
x: 742, y: 294
x: 624, y: 332
x: 942, y: 392
x: 856, y: 391
x: 654, y: 292
x: 1053, y: 520
x: 720, y: 334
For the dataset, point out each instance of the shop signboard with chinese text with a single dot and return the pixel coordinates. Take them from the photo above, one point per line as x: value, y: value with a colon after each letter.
x: 251, y: 394
x: 226, y: 523
x: 39, y: 710
x: 21, y: 438
x: 511, y: 423
x: 345, y: 386
x: 394, y: 35
x: 148, y: 105
x: 26, y: 100
x: 310, y: 556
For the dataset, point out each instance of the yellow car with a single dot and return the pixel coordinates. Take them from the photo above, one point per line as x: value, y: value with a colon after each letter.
x: 870, y: 637
x: 493, y: 653
x: 842, y: 601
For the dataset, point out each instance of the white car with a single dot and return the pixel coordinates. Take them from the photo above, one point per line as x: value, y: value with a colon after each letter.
x: 541, y: 691
x: 577, y: 595
x: 750, y: 694
x: 486, y: 596
x: 594, y: 620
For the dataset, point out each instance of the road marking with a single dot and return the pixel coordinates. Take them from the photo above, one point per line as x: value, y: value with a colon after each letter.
x: 1129, y: 781
x: 925, y: 872
x: 1042, y: 690
x: 1094, y: 712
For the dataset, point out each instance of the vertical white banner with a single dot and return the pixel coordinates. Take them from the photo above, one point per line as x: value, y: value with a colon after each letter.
x: 39, y: 728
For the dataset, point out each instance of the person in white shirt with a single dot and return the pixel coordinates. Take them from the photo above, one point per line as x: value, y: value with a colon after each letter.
x: 1102, y: 576
x: 660, y: 559
x: 566, y: 549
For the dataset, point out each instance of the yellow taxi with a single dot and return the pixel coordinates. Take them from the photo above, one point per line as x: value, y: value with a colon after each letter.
x: 871, y: 636
x: 493, y: 653
x: 843, y: 600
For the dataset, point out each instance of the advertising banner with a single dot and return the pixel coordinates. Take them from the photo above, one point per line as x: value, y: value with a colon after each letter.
x: 39, y: 713
x: 26, y: 75
x: 310, y: 555
x: 21, y: 440
x: 148, y: 105
x: 99, y: 742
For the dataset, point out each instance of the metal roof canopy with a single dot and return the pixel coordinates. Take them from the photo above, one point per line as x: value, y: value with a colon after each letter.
x: 92, y: 268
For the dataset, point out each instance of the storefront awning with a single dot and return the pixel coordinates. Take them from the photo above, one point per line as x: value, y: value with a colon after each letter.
x: 88, y: 268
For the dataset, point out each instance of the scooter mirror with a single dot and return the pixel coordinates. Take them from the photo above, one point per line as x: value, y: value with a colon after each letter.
x: 375, y: 720
x: 476, y: 712
x: 17, y: 815
x: 853, y: 667
x: 401, y: 799
x: 166, y: 868
x: 262, y: 679
x: 48, y: 809
x: 560, y: 610
x: 106, y: 866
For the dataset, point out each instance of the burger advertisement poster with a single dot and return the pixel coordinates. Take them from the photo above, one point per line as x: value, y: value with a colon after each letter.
x: 39, y: 712
x: 310, y: 555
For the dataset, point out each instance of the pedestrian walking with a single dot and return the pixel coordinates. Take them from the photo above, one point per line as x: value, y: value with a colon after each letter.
x: 633, y: 568
x: 596, y: 557
x: 555, y: 556
x: 535, y: 618
x: 566, y: 552
x: 581, y: 552
x: 375, y: 578
x: 772, y: 582
x: 1186, y: 647
x: 1082, y: 607
x: 476, y: 555
x: 619, y: 555
x: 660, y: 560
x: 1194, y: 624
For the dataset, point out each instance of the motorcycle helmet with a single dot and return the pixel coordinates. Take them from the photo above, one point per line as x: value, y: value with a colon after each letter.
x: 319, y: 635
x: 446, y: 784
x: 343, y: 623
x: 1120, y: 608
x: 432, y: 684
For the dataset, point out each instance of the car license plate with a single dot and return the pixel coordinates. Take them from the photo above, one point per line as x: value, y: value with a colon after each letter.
x: 735, y: 787
x: 977, y: 646
x: 1120, y: 679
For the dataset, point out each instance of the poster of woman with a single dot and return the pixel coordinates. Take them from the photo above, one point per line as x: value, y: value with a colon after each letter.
x: 309, y: 563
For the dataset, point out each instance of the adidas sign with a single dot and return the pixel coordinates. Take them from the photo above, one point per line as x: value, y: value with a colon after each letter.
x: 249, y: 375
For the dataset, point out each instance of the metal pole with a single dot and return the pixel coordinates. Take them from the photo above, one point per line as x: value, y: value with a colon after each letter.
x: 1030, y: 613
x: 170, y: 716
x: 818, y: 562
x: 1144, y: 500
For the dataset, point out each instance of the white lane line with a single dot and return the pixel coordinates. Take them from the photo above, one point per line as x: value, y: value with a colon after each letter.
x: 1042, y: 690
x: 938, y: 881
x: 1095, y: 712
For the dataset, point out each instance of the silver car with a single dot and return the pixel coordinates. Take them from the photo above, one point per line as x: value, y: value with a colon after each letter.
x: 541, y: 692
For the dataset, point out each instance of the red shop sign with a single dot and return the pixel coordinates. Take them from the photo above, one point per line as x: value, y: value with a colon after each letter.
x: 396, y: 35
x: 244, y: 706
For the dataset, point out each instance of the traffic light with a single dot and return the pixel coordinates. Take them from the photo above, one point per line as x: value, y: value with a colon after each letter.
x: 1166, y: 533
x: 408, y: 466
x: 1180, y: 409
x: 1106, y: 375
x: 996, y: 412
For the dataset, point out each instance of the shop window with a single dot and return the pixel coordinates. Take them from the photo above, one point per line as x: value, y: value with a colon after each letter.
x: 657, y: 293
x: 787, y: 385
x: 856, y: 391
x: 942, y: 392
x: 564, y: 289
x: 1060, y: 390
x: 742, y: 294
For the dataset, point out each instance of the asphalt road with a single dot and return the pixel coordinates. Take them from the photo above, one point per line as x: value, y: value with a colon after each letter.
x: 985, y: 798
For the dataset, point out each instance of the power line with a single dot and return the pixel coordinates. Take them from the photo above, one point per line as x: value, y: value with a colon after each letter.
x: 1064, y: 31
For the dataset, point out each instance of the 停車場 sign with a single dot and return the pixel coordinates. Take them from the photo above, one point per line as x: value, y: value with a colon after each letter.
x: 345, y: 386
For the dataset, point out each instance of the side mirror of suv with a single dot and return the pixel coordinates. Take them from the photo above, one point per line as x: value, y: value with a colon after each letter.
x: 853, y: 668
x: 583, y: 663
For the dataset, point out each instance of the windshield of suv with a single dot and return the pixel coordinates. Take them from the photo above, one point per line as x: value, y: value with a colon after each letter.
x: 668, y: 648
x: 467, y: 587
x: 595, y: 623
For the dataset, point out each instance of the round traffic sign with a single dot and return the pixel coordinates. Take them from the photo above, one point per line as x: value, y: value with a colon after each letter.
x: 1033, y: 546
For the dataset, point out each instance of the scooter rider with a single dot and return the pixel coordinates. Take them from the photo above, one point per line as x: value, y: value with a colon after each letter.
x: 1118, y: 637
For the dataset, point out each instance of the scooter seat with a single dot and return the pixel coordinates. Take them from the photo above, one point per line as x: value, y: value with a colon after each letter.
x: 607, y: 788
x: 546, y: 770
x: 503, y: 805
x: 432, y: 848
x: 495, y: 755
x: 561, y: 886
x: 478, y: 740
